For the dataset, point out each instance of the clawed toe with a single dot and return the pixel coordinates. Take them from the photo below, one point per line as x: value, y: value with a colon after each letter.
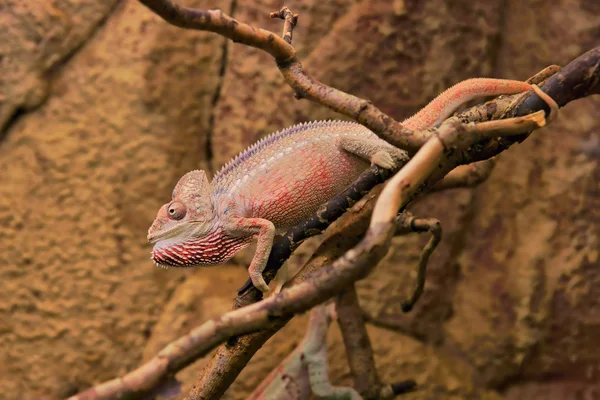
x: 383, y: 159
x: 260, y: 284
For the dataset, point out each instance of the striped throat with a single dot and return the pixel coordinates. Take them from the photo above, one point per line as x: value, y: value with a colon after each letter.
x: 214, y: 248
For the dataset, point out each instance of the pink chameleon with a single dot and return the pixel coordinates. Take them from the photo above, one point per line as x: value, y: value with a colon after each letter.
x: 282, y: 180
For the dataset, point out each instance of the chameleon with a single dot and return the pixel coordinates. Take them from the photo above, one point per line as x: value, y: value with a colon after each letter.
x: 282, y: 179
x: 304, y: 371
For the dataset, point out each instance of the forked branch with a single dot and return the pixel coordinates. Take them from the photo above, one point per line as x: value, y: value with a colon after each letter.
x: 327, y: 282
x: 455, y: 144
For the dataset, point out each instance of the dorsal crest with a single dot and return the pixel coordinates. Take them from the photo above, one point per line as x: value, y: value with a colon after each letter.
x: 274, y: 138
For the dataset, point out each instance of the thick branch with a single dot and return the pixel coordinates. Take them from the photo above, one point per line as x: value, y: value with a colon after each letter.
x: 360, y: 352
x: 578, y: 79
x: 357, y: 343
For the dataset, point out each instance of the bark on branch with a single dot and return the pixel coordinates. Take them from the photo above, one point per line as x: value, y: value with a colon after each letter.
x: 316, y: 288
x: 357, y: 343
x: 455, y: 144
x: 362, y: 111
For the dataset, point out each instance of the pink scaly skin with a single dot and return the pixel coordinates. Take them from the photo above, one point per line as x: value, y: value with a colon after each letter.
x: 305, y: 371
x: 446, y: 103
x: 272, y: 186
x: 282, y: 180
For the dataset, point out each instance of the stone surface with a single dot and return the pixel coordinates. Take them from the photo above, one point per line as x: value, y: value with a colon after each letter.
x: 103, y: 106
x: 81, y: 176
x: 35, y: 38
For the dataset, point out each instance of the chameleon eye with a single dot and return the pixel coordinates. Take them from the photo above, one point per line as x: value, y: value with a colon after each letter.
x: 176, y: 210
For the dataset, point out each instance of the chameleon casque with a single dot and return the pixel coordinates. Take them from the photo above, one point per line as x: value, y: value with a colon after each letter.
x: 282, y: 180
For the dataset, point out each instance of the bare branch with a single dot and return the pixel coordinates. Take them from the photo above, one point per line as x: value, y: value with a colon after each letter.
x: 464, y: 176
x: 219, y: 22
x: 290, y: 22
x: 304, y: 86
x: 360, y: 353
x: 436, y: 158
x: 357, y: 343
x: 406, y: 223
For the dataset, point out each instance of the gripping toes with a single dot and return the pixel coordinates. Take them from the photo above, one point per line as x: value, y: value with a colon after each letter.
x: 259, y: 282
x: 265, y: 233
x: 383, y: 159
x: 375, y: 150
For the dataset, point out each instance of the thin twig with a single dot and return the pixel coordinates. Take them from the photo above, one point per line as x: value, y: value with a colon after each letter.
x: 405, y: 223
x: 290, y: 22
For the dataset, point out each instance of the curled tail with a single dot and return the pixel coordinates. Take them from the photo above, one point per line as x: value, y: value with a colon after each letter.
x: 446, y: 103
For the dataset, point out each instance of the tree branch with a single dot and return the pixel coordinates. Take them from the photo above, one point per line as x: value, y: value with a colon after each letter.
x: 357, y: 343
x: 219, y: 22
x: 464, y: 176
x: 304, y: 86
x: 437, y: 157
x: 406, y: 223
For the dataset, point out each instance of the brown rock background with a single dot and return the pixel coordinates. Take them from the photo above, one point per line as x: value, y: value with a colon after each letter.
x: 103, y: 107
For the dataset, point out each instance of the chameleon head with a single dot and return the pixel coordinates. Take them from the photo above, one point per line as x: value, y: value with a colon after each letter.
x: 183, y: 224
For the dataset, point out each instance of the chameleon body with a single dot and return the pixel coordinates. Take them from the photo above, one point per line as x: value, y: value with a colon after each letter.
x: 267, y: 189
x: 304, y: 371
x: 282, y: 180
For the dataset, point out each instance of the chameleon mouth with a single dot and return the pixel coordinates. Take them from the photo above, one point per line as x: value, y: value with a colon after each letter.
x: 164, y: 235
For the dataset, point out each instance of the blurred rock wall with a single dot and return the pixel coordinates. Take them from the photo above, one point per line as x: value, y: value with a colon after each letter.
x: 103, y: 106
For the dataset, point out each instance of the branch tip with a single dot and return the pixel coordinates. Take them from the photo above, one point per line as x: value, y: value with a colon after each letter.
x: 290, y: 19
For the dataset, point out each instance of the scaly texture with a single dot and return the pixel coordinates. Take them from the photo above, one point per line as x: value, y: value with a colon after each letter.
x: 282, y: 180
x: 273, y: 185
x: 438, y: 109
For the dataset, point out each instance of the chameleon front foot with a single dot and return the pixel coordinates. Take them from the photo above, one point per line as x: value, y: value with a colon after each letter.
x: 383, y: 159
x: 259, y: 282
